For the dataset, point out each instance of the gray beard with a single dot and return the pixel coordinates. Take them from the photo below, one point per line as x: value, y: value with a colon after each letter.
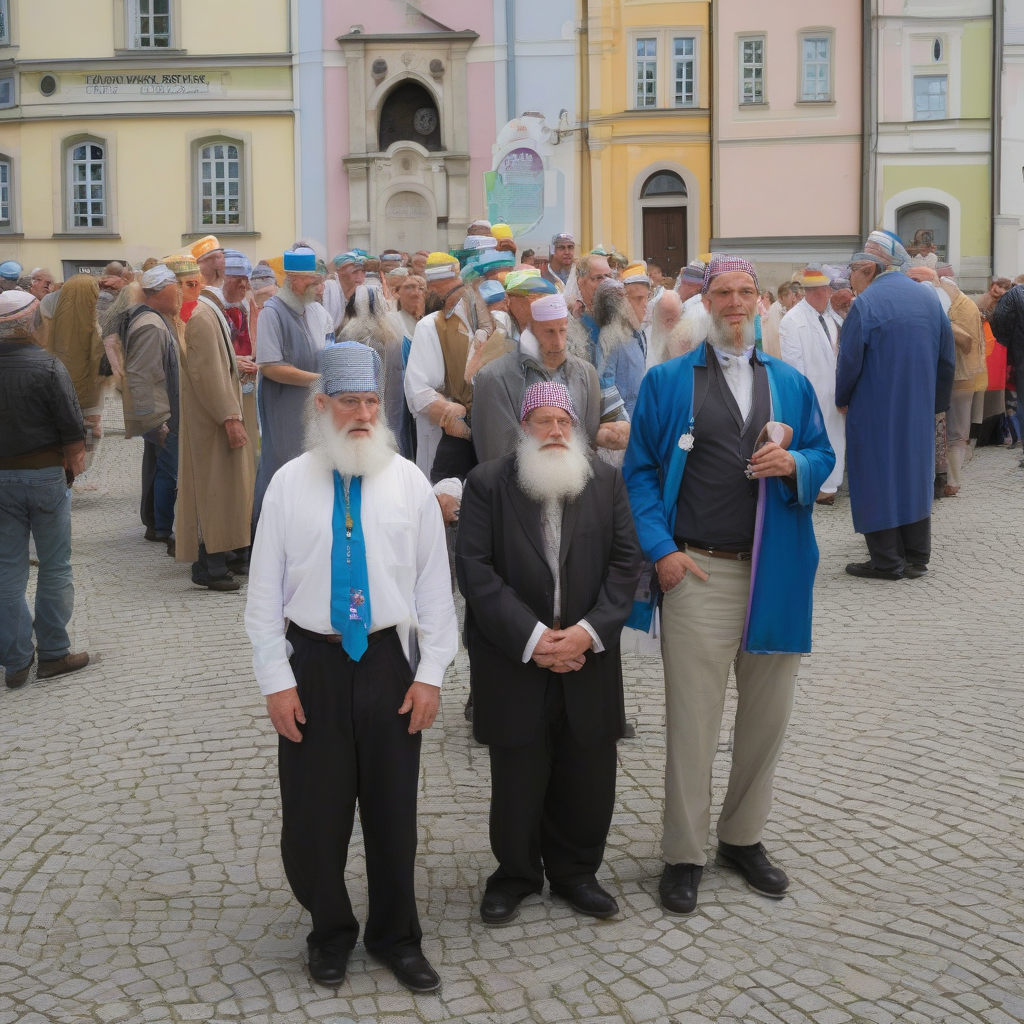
x: 350, y: 456
x: 720, y: 334
x: 296, y: 303
x: 687, y: 334
x: 552, y: 474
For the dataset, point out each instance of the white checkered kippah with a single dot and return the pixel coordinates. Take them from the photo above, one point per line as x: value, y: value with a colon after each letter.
x: 547, y: 392
x: 350, y: 366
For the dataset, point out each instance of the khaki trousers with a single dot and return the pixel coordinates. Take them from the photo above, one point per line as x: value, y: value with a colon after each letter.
x: 702, y: 626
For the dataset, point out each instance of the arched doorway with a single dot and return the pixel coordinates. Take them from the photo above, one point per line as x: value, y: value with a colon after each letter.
x: 409, y: 114
x: 924, y: 228
x: 663, y: 204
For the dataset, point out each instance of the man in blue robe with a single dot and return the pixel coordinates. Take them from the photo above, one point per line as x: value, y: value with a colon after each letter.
x: 727, y: 454
x: 894, y: 373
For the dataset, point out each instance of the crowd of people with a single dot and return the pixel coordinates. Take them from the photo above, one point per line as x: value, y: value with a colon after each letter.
x: 584, y: 444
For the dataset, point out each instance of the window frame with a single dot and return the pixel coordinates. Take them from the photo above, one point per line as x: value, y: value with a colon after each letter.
x: 675, y: 60
x: 70, y: 145
x: 13, y: 79
x: 5, y: 23
x: 7, y: 223
x: 197, y: 143
x: 646, y: 61
x: 752, y: 37
x: 126, y: 29
x: 806, y: 36
x: 665, y: 37
x: 207, y: 155
x: 943, y: 77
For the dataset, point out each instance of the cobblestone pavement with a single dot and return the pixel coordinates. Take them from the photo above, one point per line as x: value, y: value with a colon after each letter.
x: 139, y: 816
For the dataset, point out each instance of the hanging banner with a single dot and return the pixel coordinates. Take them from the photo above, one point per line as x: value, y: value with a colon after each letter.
x: 515, y: 190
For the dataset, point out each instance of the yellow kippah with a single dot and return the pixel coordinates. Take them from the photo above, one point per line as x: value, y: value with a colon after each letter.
x: 501, y: 231
x: 635, y: 273
x: 436, y: 259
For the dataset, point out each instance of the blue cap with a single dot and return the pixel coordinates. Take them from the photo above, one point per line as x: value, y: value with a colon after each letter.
x: 350, y: 366
x: 491, y: 291
x: 345, y: 257
x: 236, y: 264
x: 491, y: 260
x: 11, y: 270
x: 361, y: 253
x: 300, y: 261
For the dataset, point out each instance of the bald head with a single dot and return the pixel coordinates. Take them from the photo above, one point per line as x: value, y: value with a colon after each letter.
x: 668, y: 310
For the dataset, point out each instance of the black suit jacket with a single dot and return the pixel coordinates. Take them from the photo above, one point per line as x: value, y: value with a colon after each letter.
x: 504, y: 576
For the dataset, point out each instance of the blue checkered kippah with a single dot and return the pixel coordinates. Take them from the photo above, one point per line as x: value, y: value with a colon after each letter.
x: 350, y: 366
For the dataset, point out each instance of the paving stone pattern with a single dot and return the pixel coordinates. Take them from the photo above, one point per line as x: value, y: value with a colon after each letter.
x: 139, y: 815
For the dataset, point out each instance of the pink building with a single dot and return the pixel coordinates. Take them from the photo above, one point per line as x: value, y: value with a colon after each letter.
x: 409, y: 120
x: 786, y: 170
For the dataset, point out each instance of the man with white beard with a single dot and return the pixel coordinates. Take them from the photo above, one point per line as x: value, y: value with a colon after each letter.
x: 676, y: 328
x: 291, y: 344
x: 349, y: 583
x: 548, y: 561
x: 727, y: 454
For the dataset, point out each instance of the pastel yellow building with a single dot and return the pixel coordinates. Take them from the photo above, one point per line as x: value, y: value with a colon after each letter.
x: 129, y: 128
x: 649, y: 129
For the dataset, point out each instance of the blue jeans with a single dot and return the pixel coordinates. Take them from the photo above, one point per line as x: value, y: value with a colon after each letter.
x: 165, y: 485
x: 36, y: 501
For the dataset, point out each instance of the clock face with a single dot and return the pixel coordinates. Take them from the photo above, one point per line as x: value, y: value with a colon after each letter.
x: 425, y: 120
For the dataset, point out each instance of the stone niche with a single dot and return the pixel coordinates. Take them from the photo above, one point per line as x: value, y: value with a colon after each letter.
x: 415, y: 193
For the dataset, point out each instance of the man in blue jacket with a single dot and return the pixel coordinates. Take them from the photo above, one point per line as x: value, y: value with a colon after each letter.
x: 729, y: 530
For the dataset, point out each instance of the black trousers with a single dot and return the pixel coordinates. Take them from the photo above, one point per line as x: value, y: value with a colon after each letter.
x: 356, y: 748
x: 551, y: 804
x: 150, y: 454
x: 892, y: 549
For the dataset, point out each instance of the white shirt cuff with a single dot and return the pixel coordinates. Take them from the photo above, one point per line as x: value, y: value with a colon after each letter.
x: 598, y: 646
x: 452, y: 486
x: 531, y: 644
x: 432, y: 675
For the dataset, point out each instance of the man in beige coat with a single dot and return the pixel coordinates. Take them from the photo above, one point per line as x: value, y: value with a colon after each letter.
x: 216, y: 473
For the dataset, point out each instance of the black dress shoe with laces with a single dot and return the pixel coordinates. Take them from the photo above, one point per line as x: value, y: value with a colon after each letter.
x: 587, y: 898
x: 757, y: 870
x: 498, y: 907
x: 327, y: 964
x: 866, y: 571
x: 678, y: 888
x: 411, y: 968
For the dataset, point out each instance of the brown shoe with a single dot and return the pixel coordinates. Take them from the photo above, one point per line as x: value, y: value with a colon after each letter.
x: 825, y: 499
x: 61, y: 666
x: 16, y: 680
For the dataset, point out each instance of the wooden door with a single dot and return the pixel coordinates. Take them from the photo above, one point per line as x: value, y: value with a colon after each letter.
x: 665, y: 237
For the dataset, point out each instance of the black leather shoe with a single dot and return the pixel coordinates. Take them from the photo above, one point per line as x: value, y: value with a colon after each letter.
x: 238, y: 566
x: 588, y: 898
x: 868, y: 572
x: 678, y: 888
x: 327, y: 964
x: 499, y: 907
x: 915, y: 570
x: 411, y: 969
x: 757, y: 870
x: 226, y: 583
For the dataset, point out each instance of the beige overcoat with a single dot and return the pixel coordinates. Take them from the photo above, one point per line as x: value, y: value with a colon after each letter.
x: 215, y: 481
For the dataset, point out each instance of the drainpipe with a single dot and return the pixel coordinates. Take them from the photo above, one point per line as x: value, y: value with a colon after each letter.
x: 867, y: 146
x: 586, y: 182
x: 713, y: 133
x: 995, y: 175
x: 510, y: 59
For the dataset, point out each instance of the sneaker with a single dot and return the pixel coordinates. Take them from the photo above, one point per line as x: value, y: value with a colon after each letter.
x: 61, y: 666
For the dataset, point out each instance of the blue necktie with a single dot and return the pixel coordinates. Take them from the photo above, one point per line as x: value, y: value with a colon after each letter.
x: 350, y: 583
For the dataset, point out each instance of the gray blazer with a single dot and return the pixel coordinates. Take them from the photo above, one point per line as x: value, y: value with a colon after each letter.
x: 498, y: 397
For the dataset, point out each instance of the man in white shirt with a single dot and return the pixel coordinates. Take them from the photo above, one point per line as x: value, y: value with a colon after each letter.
x: 809, y: 342
x: 338, y: 291
x: 349, y: 585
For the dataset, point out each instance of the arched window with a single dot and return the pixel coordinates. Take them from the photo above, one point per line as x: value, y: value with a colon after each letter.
x: 663, y: 183
x: 924, y: 228
x: 87, y: 184
x: 409, y: 114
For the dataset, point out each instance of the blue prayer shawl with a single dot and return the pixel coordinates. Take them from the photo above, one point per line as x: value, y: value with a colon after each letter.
x: 785, y: 553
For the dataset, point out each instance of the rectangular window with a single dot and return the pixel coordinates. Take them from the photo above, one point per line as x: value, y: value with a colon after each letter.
x: 5, y: 23
x: 647, y: 72
x: 152, y: 23
x: 7, y: 91
x: 816, y: 73
x: 88, y: 186
x: 683, y: 65
x: 5, y: 193
x: 220, y: 181
x: 752, y: 70
x: 929, y: 97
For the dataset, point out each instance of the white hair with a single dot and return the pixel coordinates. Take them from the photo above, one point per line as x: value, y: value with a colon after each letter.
x: 553, y: 470
x: 333, y: 449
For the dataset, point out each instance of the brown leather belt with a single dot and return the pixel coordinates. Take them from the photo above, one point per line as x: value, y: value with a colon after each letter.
x: 34, y: 460
x: 335, y: 638
x: 736, y: 556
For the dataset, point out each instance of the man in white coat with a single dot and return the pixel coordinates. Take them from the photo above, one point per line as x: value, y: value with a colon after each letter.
x: 809, y: 341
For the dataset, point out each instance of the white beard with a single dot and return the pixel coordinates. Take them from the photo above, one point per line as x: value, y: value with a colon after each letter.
x: 553, y: 473
x: 687, y: 334
x: 350, y: 456
x: 298, y: 303
x: 720, y: 335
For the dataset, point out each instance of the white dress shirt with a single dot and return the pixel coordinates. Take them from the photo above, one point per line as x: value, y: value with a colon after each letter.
x: 424, y: 377
x: 334, y: 301
x: 406, y: 557
x: 739, y: 375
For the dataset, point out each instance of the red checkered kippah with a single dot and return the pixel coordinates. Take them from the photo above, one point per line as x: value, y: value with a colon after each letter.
x: 547, y: 392
x: 721, y: 263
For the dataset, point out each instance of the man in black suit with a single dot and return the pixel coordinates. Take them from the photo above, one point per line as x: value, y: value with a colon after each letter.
x: 548, y: 561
